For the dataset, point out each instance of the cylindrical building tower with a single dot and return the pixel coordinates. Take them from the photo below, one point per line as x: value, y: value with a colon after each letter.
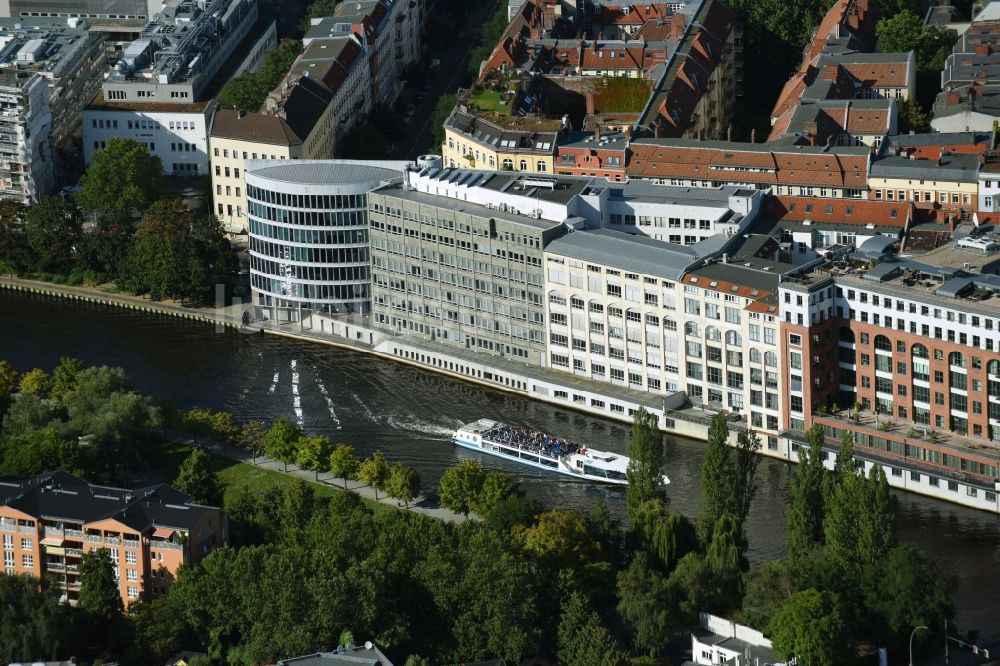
x: 308, y: 224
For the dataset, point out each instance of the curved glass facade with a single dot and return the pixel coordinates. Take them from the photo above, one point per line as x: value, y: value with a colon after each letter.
x: 309, y: 246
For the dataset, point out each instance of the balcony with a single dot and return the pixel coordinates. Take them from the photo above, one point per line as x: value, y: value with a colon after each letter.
x: 166, y: 545
x: 73, y: 533
x: 94, y: 538
x: 74, y: 552
x: 48, y: 531
x: 7, y: 526
x: 113, y: 541
x: 132, y: 543
x: 25, y: 529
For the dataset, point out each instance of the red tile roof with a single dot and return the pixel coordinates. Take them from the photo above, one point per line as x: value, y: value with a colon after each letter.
x: 859, y: 212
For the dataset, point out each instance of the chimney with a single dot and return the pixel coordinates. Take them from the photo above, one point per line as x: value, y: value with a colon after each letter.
x: 951, y: 99
x: 597, y: 133
x: 941, y: 155
x: 656, y: 130
x: 753, y: 135
x: 729, y: 134
x: 590, y: 103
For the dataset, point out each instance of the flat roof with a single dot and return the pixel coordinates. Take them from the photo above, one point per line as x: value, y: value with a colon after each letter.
x: 627, y: 252
x: 325, y: 172
x: 460, y: 206
x: 948, y: 168
x: 99, y: 103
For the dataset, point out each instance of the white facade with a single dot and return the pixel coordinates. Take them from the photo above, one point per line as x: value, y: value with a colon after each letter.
x: 964, y: 121
x: 988, y: 191
x: 179, y: 138
x: 725, y: 642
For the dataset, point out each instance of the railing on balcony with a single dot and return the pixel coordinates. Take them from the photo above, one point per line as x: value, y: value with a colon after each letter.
x: 132, y: 543
x: 74, y: 552
x: 94, y: 538
x: 167, y: 545
x: 48, y: 530
x: 26, y: 529
x: 113, y: 541
x: 73, y: 533
x: 8, y: 525
x: 74, y: 568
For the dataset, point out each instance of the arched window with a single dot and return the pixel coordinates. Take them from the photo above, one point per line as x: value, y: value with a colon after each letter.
x: 733, y: 338
x: 595, y: 307
x: 771, y: 359
x: 691, y: 328
x: 956, y: 359
x: 712, y: 334
x: 540, y: 166
x: 919, y: 351
x: 883, y: 343
x: 523, y: 165
x: 508, y: 164
x: 754, y: 355
x: 993, y: 367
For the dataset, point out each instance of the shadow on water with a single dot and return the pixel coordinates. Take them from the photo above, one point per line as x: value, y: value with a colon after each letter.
x: 410, y: 414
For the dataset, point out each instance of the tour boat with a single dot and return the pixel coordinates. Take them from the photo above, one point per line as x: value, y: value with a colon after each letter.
x: 542, y: 451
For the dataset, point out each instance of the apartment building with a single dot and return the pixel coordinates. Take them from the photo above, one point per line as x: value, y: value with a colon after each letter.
x: 914, y: 343
x: 814, y: 171
x: 27, y: 162
x: 65, y: 53
x: 158, y: 93
x: 970, y: 82
x: 49, y: 521
x: 501, y: 143
x: 943, y: 188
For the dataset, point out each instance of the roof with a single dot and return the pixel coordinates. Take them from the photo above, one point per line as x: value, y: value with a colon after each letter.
x: 325, y: 172
x: 59, y: 495
x: 877, y: 245
x: 470, y: 208
x: 940, y: 139
x: 837, y: 166
x: 99, y: 103
x: 957, y: 168
x: 369, y: 655
x: 627, y: 252
x: 847, y: 212
x: 304, y: 106
x: 254, y: 128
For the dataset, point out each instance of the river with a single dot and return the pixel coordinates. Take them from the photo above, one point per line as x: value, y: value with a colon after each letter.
x: 409, y: 414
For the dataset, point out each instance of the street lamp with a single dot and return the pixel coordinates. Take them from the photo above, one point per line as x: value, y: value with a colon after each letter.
x: 915, y: 630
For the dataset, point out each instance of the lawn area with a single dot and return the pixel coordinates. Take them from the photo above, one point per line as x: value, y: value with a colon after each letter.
x: 620, y: 94
x: 488, y: 100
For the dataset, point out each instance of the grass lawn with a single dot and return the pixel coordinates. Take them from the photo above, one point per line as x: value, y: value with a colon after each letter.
x: 488, y: 100
x: 236, y: 476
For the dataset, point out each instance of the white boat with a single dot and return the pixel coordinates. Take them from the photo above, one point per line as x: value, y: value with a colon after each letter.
x: 542, y: 451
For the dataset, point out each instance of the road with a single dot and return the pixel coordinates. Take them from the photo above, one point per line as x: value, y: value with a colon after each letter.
x: 454, y: 63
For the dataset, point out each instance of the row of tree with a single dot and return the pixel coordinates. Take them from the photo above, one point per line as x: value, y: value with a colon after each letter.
x: 248, y: 91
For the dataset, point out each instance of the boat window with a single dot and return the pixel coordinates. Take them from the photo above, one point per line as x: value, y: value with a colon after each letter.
x: 579, y: 463
x: 593, y: 471
x: 619, y: 476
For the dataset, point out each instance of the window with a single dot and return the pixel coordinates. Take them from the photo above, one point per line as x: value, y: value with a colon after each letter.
x: 130, y: 557
x: 132, y: 575
x: 27, y: 561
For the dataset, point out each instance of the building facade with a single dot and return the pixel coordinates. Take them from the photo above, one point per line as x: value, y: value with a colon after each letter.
x: 27, y: 161
x: 309, y: 236
x: 48, y: 522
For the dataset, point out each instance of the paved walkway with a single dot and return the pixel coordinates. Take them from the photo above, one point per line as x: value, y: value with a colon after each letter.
x: 420, y: 505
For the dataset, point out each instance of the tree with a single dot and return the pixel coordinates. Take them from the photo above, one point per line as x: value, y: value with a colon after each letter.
x: 344, y: 463
x: 249, y: 90
x: 906, y: 32
x: 11, y: 224
x: 123, y: 178
x: 36, y: 382
x: 496, y: 488
x: 806, y: 511
x: 33, y: 624
x: 39, y: 451
x: 9, y: 378
x: 718, y: 479
x: 104, y: 248
x: 748, y: 447
x: 64, y: 377
x: 403, y: 483
x: 912, y: 118
x: 52, y: 227
x: 859, y: 525
x: 460, y: 485
x: 99, y: 595
x: 314, y: 453
x: 559, y: 535
x: 844, y: 465
x: 811, y: 627
x: 196, y: 478
x: 251, y: 437
x: 374, y: 472
x: 583, y: 640
x: 725, y: 561
x: 667, y: 536
x: 281, y: 441
x: 645, y: 467
x: 643, y: 605
x: 767, y: 588
x: 297, y: 503
x: 226, y: 429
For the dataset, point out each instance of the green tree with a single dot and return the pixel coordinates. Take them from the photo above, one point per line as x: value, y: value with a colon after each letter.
x: 844, y: 465
x: 251, y: 437
x: 197, y: 422
x: 645, y: 467
x: 39, y: 451
x: 811, y: 627
x: 64, y: 377
x: 226, y: 429
x: 667, y: 536
x: 559, y: 535
x: 197, y: 478
x: 374, y: 472
x: 748, y: 447
x: 460, y: 485
x: 123, y: 179
x: 36, y: 382
x: 313, y: 452
x: 912, y: 118
x: 718, y: 479
x: 690, y: 590
x: 767, y: 588
x: 906, y: 31
x: 807, y: 509
x: 281, y: 441
x: 583, y: 640
x: 249, y: 90
x: 725, y: 561
x: 9, y: 379
x: 53, y: 229
x: 29, y: 413
x: 416, y: 660
x: 496, y: 488
x: 297, y: 503
x: 344, y: 463
x: 99, y: 595
x: 403, y: 483
x: 859, y: 524
x: 11, y: 225
x: 33, y: 624
x: 103, y: 249
x: 643, y: 605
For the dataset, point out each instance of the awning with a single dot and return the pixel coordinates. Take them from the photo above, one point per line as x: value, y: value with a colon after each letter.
x: 53, y: 541
x: 163, y: 532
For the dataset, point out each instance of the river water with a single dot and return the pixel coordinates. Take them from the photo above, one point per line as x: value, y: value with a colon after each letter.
x: 410, y: 414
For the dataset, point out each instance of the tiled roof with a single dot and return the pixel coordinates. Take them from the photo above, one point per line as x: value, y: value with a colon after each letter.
x: 838, y: 211
x: 253, y: 127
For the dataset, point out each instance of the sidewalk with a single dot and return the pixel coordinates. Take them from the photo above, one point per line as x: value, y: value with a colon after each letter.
x: 420, y: 505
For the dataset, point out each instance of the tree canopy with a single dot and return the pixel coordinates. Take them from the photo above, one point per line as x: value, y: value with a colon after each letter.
x: 460, y: 485
x: 197, y: 478
x: 645, y: 467
x: 123, y: 179
x: 811, y: 627
x: 249, y: 90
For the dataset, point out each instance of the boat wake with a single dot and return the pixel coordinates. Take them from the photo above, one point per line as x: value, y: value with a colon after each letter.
x: 326, y: 396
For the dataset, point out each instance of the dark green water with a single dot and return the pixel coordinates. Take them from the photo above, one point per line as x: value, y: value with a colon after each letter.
x: 410, y: 415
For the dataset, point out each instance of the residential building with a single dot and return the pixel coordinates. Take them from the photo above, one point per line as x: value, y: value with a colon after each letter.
x: 159, y: 92
x: 827, y: 171
x: 309, y: 235
x: 970, y: 82
x: 501, y: 143
x: 928, y: 146
x: 350, y: 655
x: 597, y: 154
x: 65, y: 53
x: 48, y: 522
x: 943, y: 188
x: 120, y: 15
x: 988, y: 192
x: 27, y: 162
x: 722, y: 641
